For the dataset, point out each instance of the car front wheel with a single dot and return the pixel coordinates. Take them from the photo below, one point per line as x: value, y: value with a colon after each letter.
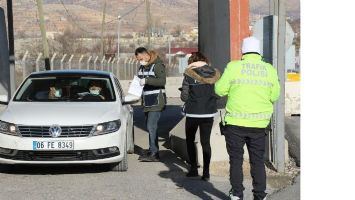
x: 123, y: 165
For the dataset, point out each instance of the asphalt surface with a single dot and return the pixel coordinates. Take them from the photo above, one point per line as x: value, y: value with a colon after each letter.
x: 160, y: 180
x: 289, y: 193
x: 292, y: 128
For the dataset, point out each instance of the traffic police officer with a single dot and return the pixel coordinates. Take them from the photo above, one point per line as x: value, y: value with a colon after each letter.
x: 252, y: 86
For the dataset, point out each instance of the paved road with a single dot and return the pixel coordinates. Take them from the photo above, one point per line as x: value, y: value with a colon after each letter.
x: 289, y: 193
x: 162, y: 180
x: 292, y: 128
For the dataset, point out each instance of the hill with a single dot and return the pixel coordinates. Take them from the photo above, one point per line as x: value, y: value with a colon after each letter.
x: 86, y: 15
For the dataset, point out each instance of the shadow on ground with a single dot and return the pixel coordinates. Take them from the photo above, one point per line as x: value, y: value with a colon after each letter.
x: 53, y: 169
x: 176, y: 173
x: 169, y: 118
x: 176, y: 167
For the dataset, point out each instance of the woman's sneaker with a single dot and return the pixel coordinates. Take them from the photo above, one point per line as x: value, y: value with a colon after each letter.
x: 206, y: 177
x: 232, y: 197
x: 192, y: 173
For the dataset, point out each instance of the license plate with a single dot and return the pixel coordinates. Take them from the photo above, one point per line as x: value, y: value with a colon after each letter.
x: 53, y: 145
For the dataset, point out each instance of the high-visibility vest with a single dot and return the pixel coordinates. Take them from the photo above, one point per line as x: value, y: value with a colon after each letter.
x: 252, y: 86
x: 150, y: 93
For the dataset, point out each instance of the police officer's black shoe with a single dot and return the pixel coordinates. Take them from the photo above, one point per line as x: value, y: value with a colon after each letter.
x: 151, y: 157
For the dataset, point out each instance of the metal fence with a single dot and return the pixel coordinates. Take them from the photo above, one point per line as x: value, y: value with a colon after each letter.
x: 123, y: 68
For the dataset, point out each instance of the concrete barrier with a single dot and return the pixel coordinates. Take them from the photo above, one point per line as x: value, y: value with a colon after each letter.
x: 2, y: 108
x: 218, y: 144
x: 292, y: 98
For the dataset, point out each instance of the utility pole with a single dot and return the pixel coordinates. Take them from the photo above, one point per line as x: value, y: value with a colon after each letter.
x: 273, y: 7
x: 169, y: 47
x: 44, y: 35
x: 10, y: 27
x: 118, y: 36
x: 102, y: 29
x: 279, y: 9
x: 149, y: 24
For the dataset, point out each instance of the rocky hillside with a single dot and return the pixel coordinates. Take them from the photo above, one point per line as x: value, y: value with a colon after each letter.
x: 85, y: 15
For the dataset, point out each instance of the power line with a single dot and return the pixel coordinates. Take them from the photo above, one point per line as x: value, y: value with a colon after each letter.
x: 127, y: 13
x: 73, y: 20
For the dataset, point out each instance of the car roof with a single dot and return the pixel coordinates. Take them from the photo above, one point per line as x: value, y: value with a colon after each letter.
x: 96, y: 73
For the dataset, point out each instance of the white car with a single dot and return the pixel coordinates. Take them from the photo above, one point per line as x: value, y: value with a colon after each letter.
x: 68, y: 117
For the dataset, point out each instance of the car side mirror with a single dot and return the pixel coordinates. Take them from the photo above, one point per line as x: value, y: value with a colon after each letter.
x: 4, y: 99
x: 130, y: 99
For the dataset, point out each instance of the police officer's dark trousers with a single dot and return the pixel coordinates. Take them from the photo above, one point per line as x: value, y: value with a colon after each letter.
x: 236, y: 137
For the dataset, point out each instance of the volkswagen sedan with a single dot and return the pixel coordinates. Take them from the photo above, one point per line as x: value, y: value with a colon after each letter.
x: 67, y: 117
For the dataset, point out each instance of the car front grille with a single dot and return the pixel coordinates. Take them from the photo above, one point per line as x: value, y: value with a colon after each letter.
x: 57, y: 155
x: 43, y: 131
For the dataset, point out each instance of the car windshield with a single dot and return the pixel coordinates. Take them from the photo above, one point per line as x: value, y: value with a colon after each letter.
x: 66, y: 89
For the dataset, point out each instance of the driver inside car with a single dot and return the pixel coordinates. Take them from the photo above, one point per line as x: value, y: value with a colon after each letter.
x: 95, y: 90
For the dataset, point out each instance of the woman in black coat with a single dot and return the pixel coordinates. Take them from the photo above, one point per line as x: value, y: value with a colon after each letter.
x: 200, y: 108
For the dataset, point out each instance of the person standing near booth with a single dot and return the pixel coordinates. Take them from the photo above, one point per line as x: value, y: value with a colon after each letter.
x: 252, y: 87
x: 200, y: 107
x: 153, y: 77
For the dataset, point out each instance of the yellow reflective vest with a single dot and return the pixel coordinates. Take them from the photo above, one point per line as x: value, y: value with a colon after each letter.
x: 252, y: 86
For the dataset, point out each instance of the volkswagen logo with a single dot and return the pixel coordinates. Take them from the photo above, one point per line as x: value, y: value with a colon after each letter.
x: 55, y: 131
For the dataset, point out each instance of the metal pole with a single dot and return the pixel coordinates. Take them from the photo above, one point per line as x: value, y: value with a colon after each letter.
x: 149, y: 28
x: 61, y: 62
x: 102, y: 29
x: 80, y: 60
x: 88, y: 63
x: 108, y: 64
x: 117, y: 68
x: 112, y: 63
x: 102, y: 63
x: 125, y: 69
x: 43, y: 34
x: 131, y: 68
x: 137, y: 66
x: 10, y: 28
x: 37, y: 61
x: 70, y: 59
x: 95, y: 61
x: 280, y: 105
x: 169, y: 46
x: 24, y: 70
x: 118, y: 36
x: 52, y: 60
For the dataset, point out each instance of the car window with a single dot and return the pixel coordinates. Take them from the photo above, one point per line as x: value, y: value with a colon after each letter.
x: 120, y: 91
x: 66, y: 89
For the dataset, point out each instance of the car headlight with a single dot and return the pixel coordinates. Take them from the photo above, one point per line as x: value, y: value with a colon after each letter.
x: 107, y: 127
x: 8, y: 128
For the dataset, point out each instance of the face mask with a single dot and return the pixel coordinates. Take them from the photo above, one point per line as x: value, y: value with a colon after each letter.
x: 94, y: 91
x: 144, y: 63
x: 58, y: 93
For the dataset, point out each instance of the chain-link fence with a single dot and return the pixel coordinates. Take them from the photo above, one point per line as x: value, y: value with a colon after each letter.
x: 124, y: 68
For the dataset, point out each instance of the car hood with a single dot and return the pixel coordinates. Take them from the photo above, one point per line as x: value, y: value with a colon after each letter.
x: 61, y: 113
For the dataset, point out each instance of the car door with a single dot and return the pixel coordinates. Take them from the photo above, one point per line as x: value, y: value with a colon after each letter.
x: 127, y: 112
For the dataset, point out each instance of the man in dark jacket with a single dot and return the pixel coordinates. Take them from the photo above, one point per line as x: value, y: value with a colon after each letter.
x: 200, y: 107
x: 152, y: 75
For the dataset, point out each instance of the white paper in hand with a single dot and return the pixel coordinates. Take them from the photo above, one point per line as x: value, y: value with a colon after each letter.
x: 135, y: 88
